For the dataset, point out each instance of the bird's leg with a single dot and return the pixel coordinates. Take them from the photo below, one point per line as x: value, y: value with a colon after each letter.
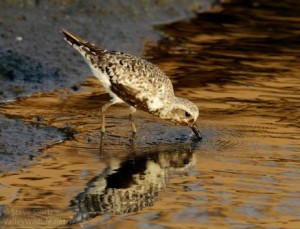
x: 102, y: 144
x: 132, y: 110
x: 103, y: 110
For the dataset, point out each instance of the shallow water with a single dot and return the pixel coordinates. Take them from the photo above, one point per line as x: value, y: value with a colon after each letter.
x: 240, y: 65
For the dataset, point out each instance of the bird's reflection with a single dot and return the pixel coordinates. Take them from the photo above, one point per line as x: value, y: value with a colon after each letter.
x: 131, y: 184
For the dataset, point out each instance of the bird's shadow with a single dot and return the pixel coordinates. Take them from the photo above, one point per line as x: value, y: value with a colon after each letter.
x: 138, y: 141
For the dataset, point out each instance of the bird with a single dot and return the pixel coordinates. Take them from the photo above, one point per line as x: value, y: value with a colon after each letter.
x: 136, y: 82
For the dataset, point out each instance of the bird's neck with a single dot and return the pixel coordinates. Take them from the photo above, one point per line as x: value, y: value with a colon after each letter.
x: 166, y: 112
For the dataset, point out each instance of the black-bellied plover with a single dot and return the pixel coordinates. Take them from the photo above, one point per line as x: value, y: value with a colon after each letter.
x: 136, y: 82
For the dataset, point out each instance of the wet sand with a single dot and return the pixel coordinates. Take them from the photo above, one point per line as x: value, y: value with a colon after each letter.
x: 240, y: 65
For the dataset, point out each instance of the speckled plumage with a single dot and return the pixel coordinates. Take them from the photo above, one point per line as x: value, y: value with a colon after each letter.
x: 137, y: 82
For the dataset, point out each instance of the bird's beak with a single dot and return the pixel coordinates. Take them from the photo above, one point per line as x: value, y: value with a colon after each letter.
x: 196, y: 131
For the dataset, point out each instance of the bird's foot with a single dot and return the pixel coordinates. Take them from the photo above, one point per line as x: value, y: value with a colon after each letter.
x: 133, y: 136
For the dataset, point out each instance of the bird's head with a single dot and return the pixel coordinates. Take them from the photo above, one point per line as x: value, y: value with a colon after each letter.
x: 185, y: 113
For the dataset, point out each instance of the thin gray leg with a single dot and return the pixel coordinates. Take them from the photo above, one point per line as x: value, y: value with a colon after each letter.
x: 103, y: 110
x: 102, y: 144
x: 132, y: 110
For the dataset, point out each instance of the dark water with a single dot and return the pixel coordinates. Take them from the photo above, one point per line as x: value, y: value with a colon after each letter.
x: 240, y: 65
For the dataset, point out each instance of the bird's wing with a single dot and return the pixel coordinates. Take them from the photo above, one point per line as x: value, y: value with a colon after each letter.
x: 138, y: 82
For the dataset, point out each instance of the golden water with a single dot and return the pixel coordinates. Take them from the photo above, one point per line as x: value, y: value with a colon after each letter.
x: 240, y: 65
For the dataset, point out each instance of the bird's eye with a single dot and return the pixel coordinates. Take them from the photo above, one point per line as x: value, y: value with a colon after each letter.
x: 187, y: 114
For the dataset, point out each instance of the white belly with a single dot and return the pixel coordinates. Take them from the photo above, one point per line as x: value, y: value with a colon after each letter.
x: 104, y: 79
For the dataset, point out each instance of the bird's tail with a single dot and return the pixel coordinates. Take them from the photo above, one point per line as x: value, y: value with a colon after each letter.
x: 81, y: 45
x: 73, y: 39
